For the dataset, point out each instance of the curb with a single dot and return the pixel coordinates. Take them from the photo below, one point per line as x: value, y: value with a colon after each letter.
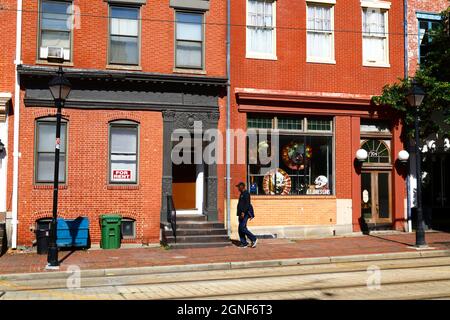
x: 107, y: 272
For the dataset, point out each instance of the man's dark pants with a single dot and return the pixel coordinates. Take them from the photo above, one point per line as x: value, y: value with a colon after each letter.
x: 243, y: 231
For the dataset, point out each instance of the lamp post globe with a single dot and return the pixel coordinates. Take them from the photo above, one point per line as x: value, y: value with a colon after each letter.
x: 361, y: 155
x: 403, y: 156
x: 59, y: 88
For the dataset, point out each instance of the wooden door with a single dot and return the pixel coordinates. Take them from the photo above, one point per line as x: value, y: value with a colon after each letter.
x: 376, y: 197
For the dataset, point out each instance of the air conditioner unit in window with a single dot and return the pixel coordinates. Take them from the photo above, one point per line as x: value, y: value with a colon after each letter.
x: 55, y: 53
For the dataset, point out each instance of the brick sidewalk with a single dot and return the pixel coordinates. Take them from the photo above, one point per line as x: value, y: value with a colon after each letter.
x: 17, y: 262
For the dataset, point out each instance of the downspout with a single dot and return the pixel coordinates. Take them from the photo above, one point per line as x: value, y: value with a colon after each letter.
x: 228, y: 120
x: 16, y: 153
x: 406, y: 66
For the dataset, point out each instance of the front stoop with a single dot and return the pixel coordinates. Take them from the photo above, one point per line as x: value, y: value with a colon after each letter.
x: 194, y: 231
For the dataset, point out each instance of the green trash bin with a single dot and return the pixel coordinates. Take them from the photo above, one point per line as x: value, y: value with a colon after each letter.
x: 110, y: 225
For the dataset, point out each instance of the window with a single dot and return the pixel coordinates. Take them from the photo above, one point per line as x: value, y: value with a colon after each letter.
x: 320, y: 37
x: 55, y: 27
x: 261, y: 41
x: 375, y: 39
x: 377, y: 150
x: 124, y: 35
x: 189, y: 40
x: 123, y: 146
x: 45, y: 151
x: 426, y: 26
x: 128, y: 228
x: 304, y: 156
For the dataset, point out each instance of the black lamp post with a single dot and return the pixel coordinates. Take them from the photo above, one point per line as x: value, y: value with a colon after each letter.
x: 415, y: 97
x: 60, y: 88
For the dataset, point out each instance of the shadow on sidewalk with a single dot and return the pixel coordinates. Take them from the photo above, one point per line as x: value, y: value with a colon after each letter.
x: 390, y: 240
x: 66, y: 256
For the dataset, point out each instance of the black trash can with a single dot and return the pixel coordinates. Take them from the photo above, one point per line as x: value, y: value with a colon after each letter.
x: 42, y: 240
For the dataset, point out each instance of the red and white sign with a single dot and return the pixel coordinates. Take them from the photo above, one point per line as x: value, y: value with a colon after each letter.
x: 122, y: 175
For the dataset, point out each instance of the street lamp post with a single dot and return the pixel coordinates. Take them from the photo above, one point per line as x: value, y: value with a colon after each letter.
x: 415, y: 97
x: 60, y: 88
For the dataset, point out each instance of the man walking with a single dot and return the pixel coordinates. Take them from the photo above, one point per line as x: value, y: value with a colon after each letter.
x: 245, y: 212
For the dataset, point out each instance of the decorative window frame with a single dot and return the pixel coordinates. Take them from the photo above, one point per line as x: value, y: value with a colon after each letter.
x: 257, y: 55
x: 330, y: 4
x: 385, y: 7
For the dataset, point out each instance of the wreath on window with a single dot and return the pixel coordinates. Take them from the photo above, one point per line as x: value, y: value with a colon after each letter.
x: 293, y: 155
x: 277, y: 181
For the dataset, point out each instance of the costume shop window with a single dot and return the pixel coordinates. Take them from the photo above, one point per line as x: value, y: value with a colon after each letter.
x: 294, y: 156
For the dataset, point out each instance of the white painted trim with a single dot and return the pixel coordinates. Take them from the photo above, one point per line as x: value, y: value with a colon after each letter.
x: 376, y: 65
x: 322, y: 1
x: 385, y: 63
x: 257, y: 55
x: 315, y: 60
x: 199, y: 191
x: 16, y: 153
x: 376, y: 4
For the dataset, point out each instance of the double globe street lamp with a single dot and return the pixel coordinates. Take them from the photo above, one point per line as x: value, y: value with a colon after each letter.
x: 60, y: 88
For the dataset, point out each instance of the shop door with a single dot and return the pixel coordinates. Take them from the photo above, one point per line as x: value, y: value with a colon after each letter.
x: 376, y: 197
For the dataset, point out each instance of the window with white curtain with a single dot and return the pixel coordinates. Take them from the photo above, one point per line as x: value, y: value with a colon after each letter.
x: 261, y: 29
x: 320, y: 33
x: 124, y: 35
x: 189, y: 40
x: 123, y: 152
x: 375, y: 39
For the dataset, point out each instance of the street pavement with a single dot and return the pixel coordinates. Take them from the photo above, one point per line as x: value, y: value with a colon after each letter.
x: 268, y: 249
x: 406, y: 278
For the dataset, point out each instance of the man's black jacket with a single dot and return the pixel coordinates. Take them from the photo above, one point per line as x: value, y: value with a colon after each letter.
x: 244, y: 204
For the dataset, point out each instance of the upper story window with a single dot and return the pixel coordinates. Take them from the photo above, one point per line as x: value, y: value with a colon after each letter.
x: 123, y: 152
x: 375, y: 33
x: 45, y: 151
x: 124, y: 35
x: 320, y: 32
x: 427, y: 23
x: 261, y: 38
x: 55, y: 34
x: 189, y: 40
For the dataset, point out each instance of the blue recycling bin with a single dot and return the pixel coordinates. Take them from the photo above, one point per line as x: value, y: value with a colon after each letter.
x: 72, y: 232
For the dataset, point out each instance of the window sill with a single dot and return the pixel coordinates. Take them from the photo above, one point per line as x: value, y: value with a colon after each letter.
x: 122, y: 187
x: 123, y: 67
x: 376, y: 65
x: 312, y: 60
x: 189, y: 71
x: 261, y: 56
x: 49, y: 187
x: 47, y: 63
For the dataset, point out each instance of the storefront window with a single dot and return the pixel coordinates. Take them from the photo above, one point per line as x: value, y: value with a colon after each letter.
x: 300, y: 164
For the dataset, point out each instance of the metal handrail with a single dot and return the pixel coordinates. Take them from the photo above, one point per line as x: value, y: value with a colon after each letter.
x: 172, y: 216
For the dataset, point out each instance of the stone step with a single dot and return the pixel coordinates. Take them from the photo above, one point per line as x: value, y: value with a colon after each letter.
x: 200, y: 225
x: 198, y: 239
x: 199, y: 245
x: 196, y: 232
x: 190, y: 217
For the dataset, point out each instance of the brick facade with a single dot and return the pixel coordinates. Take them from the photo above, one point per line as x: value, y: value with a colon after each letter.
x: 289, y: 82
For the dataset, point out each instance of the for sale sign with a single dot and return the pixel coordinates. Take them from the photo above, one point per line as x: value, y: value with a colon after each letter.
x: 121, y: 175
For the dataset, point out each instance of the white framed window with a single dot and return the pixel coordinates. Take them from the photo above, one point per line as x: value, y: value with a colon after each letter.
x: 124, y: 42
x: 123, y: 152
x: 375, y: 36
x: 189, y: 40
x: 320, y: 32
x: 261, y: 32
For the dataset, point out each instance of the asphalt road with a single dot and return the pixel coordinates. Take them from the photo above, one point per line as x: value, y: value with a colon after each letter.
x: 421, y: 278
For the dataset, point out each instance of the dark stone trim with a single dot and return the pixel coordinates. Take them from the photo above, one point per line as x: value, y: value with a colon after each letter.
x: 127, y: 2
x: 202, y: 5
x: 122, y: 75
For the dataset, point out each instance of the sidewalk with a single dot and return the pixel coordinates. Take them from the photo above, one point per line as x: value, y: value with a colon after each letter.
x: 268, y: 249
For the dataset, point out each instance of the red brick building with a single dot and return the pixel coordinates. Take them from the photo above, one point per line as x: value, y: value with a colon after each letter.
x: 306, y: 70
x: 139, y: 69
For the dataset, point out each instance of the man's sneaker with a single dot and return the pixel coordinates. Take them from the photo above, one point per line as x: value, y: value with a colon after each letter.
x: 254, y: 243
x: 243, y: 246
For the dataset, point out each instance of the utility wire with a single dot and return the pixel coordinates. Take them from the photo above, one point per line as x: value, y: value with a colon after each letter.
x: 213, y: 23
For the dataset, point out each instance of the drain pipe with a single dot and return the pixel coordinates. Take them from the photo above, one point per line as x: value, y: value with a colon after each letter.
x: 406, y: 67
x: 16, y: 153
x: 228, y: 120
